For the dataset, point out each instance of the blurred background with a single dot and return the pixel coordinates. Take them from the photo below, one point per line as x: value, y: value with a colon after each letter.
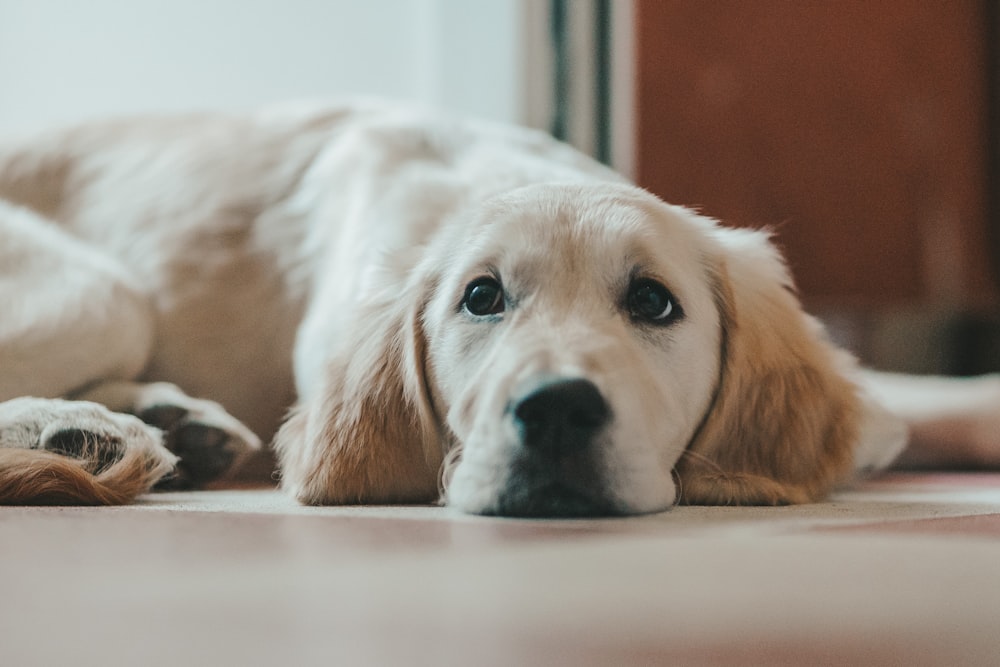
x: 864, y: 134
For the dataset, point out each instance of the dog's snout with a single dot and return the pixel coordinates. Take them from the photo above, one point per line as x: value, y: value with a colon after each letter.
x: 561, y: 416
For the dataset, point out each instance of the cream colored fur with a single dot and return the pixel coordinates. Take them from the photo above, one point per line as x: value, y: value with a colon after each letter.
x: 315, y: 258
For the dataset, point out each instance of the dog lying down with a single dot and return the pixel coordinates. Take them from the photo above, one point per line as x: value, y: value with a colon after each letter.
x: 456, y: 310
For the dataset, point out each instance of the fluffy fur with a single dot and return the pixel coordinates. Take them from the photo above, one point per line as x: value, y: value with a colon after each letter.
x: 321, y: 258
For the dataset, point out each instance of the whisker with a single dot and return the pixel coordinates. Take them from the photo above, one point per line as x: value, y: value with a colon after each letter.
x: 679, y: 483
x: 451, y: 460
x: 701, y: 458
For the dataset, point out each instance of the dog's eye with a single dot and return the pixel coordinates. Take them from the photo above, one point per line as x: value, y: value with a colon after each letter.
x: 650, y: 301
x: 483, y: 296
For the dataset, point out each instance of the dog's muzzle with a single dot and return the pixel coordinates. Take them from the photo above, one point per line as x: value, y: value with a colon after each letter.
x: 561, y: 423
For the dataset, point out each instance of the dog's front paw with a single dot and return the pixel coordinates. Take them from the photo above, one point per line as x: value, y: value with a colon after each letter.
x: 90, y: 433
x: 99, y: 448
x: 209, y: 441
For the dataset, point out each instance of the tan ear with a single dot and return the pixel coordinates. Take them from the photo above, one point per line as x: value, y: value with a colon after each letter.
x: 368, y: 435
x: 785, y: 417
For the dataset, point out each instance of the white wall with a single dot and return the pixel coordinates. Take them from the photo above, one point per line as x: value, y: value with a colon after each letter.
x: 67, y: 60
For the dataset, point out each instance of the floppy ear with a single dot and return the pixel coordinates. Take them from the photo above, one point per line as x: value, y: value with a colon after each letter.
x: 785, y: 417
x: 368, y: 433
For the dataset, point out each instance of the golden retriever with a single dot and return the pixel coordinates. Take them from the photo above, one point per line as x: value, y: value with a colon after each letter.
x: 456, y: 310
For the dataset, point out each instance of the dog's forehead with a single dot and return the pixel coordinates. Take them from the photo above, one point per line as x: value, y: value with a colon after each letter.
x: 598, y: 228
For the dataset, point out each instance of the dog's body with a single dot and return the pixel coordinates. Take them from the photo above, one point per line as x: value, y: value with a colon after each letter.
x: 436, y: 295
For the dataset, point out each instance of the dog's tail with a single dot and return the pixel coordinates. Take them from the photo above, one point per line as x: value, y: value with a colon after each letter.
x: 38, y: 477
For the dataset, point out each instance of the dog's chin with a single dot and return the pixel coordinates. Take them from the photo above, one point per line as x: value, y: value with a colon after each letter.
x: 551, y: 500
x: 518, y: 494
x: 522, y: 489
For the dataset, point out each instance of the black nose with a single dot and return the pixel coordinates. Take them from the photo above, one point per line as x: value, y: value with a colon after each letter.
x: 561, y: 417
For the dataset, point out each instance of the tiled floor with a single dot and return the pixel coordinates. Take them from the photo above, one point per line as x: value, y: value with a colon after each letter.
x: 901, y: 571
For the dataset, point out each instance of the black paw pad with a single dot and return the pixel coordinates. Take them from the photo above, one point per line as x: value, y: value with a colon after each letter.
x: 101, y: 450
x: 203, y: 452
x: 163, y: 415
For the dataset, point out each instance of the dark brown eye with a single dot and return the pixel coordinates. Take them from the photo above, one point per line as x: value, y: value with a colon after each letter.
x: 483, y: 296
x: 649, y: 301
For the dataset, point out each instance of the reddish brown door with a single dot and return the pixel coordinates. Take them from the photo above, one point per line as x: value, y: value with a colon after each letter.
x: 857, y: 129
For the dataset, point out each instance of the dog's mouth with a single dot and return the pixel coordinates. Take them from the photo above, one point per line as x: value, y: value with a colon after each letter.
x: 543, y: 488
x: 550, y: 500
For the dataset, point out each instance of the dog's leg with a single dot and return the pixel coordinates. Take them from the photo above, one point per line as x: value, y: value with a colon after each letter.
x: 70, y: 314
x: 953, y: 422
x: 209, y: 441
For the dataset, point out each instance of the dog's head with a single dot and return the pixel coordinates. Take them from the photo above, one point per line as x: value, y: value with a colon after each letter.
x: 581, y: 350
